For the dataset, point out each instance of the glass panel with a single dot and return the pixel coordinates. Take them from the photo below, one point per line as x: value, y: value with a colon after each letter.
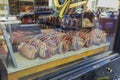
x: 106, y: 14
x: 71, y: 29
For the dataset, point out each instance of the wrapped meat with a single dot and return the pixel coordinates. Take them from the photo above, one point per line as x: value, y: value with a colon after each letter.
x: 98, y: 36
x: 83, y: 33
x: 77, y: 43
x: 87, y: 40
x: 17, y: 36
x: 20, y: 36
x: 103, y: 37
x: 65, y: 44
x: 85, y: 36
x: 44, y: 51
x: 51, y: 46
x: 95, y: 39
x: 51, y: 43
x: 31, y: 49
x: 28, y: 51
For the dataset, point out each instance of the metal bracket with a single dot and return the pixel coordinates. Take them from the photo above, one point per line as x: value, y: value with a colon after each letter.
x: 9, y: 46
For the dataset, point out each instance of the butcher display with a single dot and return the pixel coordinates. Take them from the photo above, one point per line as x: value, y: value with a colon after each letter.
x: 50, y: 42
x: 53, y: 43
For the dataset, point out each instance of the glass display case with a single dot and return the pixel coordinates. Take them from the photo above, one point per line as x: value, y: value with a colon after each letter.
x: 55, y: 45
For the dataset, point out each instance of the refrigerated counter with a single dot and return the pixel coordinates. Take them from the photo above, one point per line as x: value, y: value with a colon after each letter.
x: 30, y: 67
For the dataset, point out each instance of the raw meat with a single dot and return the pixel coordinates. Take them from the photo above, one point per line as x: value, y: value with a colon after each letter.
x: 46, y: 45
x: 98, y: 36
x: 44, y: 51
x: 30, y: 50
x: 3, y: 48
x: 65, y: 44
x: 20, y: 36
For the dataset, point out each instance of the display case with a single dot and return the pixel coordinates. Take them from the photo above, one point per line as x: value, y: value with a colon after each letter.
x: 46, y: 52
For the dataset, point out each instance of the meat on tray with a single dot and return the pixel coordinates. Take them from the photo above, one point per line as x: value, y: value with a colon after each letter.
x: 85, y: 35
x: 98, y: 36
x: 43, y: 50
x: 75, y: 40
x: 65, y: 43
x: 31, y: 49
x: 52, y: 44
x: 49, y: 46
x: 77, y: 43
x: 46, y: 45
x: 21, y: 36
x: 36, y: 46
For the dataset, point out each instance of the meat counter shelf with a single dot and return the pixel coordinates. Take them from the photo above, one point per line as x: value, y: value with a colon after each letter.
x: 27, y: 67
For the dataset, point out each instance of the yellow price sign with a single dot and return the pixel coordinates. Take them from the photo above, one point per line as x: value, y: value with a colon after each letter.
x: 66, y: 5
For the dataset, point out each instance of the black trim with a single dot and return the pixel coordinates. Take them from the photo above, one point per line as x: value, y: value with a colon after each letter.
x: 3, y: 71
x: 116, y: 47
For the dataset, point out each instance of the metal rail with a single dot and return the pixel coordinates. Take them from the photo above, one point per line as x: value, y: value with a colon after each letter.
x: 95, y: 65
x: 75, y: 65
